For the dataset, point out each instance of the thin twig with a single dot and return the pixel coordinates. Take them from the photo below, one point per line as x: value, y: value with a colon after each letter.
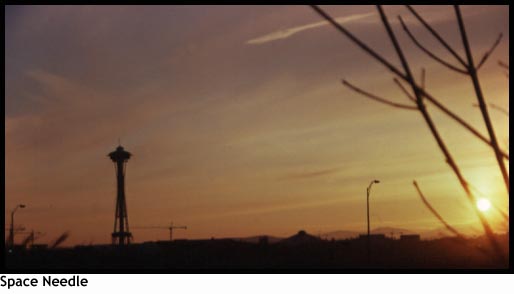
x: 494, y: 106
x: 481, y: 100
x: 428, y: 52
x: 409, y: 95
x: 499, y: 108
x: 489, y: 52
x: 449, y: 113
x: 503, y: 64
x: 436, y: 35
x: 376, y: 98
x: 435, y: 213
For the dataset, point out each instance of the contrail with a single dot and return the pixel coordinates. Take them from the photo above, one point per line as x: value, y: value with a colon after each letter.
x: 286, y: 33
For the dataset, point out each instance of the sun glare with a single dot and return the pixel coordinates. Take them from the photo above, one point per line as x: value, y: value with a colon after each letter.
x: 483, y: 204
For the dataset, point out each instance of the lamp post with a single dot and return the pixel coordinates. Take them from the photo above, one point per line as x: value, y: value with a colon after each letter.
x: 367, y: 198
x: 11, y: 235
x: 368, y: 190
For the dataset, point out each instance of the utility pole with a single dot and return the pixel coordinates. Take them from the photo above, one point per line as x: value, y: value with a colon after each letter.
x: 368, y: 190
x: 11, y: 230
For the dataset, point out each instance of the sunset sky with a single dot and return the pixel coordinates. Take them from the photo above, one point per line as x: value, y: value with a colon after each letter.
x: 237, y: 120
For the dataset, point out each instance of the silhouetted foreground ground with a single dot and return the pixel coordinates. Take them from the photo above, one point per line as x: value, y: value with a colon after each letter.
x: 297, y: 252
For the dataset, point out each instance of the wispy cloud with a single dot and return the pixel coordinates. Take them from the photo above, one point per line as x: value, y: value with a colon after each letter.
x: 310, y: 174
x: 435, y: 15
x: 286, y: 33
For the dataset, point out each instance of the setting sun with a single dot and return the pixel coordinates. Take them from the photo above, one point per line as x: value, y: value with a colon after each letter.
x: 483, y: 204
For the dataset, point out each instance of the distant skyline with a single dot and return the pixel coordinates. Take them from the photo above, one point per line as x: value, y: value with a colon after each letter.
x: 237, y: 120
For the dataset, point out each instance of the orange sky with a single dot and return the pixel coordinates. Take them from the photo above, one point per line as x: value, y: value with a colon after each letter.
x: 237, y: 120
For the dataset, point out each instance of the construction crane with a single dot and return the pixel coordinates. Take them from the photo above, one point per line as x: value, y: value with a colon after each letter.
x: 171, y: 227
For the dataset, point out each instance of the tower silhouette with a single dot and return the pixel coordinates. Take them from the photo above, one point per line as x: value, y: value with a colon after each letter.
x: 121, y: 234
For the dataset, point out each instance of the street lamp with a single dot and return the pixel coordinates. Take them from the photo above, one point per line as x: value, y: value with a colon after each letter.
x: 367, y: 198
x: 11, y: 236
x: 367, y: 206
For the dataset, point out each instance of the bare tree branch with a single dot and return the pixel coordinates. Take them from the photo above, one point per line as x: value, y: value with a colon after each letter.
x: 499, y: 108
x: 489, y: 52
x: 358, y: 42
x: 396, y: 71
x: 376, y: 98
x: 429, y: 98
x: 399, y: 84
x: 481, y: 99
x: 503, y: 64
x: 428, y: 52
x: 434, y: 212
x: 450, y: 114
x: 461, y: 121
x: 436, y: 35
x: 442, y: 146
x: 419, y: 94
